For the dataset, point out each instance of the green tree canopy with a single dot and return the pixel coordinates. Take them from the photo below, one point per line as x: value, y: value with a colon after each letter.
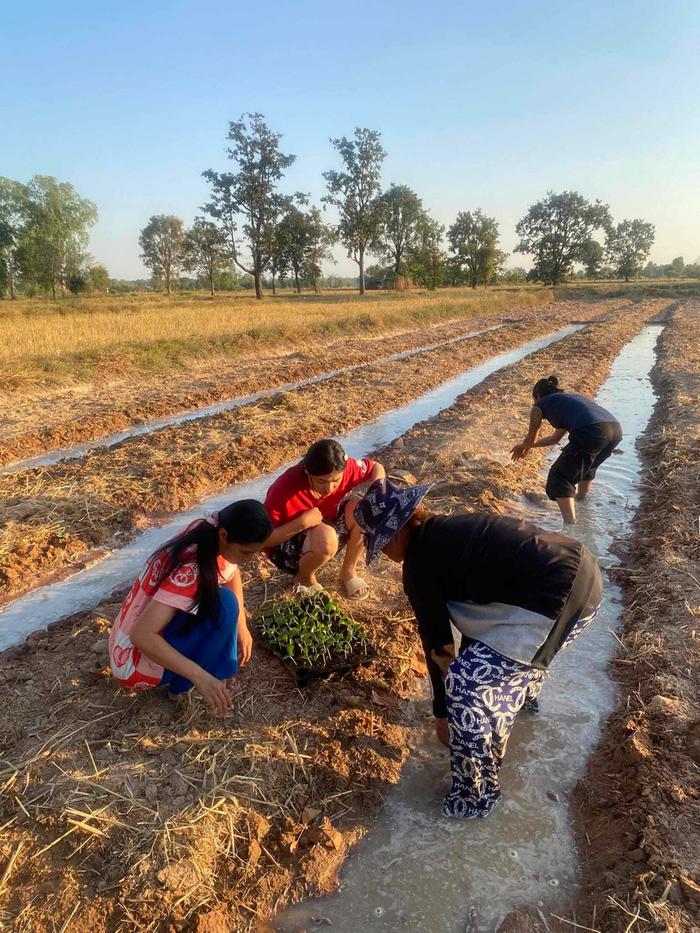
x: 428, y: 260
x: 206, y: 250
x: 98, y: 278
x: 399, y: 232
x: 14, y: 216
x: 162, y: 243
x: 304, y: 242
x: 592, y: 256
x: 628, y: 246
x: 473, y: 241
x: 54, y: 242
x: 247, y: 203
x: 555, y: 231
x: 354, y: 191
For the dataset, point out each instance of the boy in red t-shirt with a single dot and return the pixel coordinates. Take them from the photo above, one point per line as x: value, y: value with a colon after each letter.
x: 310, y: 506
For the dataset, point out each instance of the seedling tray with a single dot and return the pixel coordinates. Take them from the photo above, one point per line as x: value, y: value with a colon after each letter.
x: 313, y: 625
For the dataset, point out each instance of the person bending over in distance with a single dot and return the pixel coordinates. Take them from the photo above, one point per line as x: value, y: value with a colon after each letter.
x: 311, y: 508
x: 183, y: 623
x: 517, y: 594
x: 593, y: 435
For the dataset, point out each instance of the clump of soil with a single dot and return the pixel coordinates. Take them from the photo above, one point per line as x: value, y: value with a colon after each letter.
x: 638, y: 810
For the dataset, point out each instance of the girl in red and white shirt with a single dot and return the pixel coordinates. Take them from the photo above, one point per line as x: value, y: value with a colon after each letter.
x: 183, y: 623
x: 311, y: 508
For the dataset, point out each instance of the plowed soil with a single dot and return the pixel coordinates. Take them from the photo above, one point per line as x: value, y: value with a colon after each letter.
x: 124, y: 813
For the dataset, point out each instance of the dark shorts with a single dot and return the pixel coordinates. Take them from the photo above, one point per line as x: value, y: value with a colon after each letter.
x: 588, y: 447
x: 286, y: 556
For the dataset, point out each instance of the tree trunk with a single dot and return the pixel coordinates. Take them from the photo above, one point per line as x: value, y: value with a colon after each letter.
x: 258, y: 283
x: 274, y: 290
x: 316, y: 289
x: 11, y: 280
x: 361, y: 264
x: 167, y: 281
x: 211, y: 283
x: 296, y: 280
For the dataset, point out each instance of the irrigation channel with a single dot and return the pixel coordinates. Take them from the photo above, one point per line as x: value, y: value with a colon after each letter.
x: 229, y: 404
x: 416, y: 870
x: 85, y: 588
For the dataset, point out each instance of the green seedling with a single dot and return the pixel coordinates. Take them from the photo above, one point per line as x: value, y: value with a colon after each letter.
x: 312, y: 632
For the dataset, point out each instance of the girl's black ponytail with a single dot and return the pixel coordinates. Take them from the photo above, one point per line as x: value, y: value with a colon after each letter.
x: 245, y: 522
x: 545, y: 387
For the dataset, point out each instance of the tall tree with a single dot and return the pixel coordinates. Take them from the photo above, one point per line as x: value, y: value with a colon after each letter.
x: 628, y: 246
x: 162, y: 242
x: 555, y: 231
x: 354, y: 191
x: 248, y: 198
x: 13, y: 219
x: 473, y: 241
x: 398, y: 235
x: 592, y: 256
x: 304, y: 242
x: 428, y: 257
x: 55, y: 238
x: 206, y: 251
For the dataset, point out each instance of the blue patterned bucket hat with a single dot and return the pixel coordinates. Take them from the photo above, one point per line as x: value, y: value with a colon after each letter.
x: 384, y: 510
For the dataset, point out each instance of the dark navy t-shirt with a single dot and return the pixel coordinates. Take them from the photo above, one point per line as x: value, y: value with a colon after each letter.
x: 570, y: 411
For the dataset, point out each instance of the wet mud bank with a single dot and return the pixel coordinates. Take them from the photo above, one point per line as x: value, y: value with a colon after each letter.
x: 69, y: 513
x: 637, y: 811
x: 126, y: 813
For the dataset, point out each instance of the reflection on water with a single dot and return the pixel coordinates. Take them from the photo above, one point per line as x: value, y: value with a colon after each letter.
x: 416, y: 870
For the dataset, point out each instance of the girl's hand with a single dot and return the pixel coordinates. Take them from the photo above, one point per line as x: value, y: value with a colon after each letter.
x: 312, y: 517
x: 245, y: 643
x: 214, y: 693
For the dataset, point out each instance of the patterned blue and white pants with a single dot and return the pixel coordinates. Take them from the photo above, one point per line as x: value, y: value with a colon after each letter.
x: 485, y: 692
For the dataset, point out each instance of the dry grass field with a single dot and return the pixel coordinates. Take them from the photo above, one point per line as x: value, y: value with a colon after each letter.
x: 82, y: 337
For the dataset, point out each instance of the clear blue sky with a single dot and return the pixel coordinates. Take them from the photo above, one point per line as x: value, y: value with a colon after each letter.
x: 479, y: 104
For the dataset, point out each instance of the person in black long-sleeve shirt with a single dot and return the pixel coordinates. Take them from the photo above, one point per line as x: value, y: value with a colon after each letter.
x: 516, y: 593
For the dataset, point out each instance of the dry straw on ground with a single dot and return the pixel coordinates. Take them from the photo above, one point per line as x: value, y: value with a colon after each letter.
x: 94, y: 336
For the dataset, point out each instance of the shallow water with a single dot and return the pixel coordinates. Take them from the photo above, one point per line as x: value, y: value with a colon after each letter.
x: 229, y: 404
x: 85, y: 589
x: 418, y: 871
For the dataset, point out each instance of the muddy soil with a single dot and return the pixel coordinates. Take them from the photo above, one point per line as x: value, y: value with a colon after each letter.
x: 638, y: 810
x: 46, y: 418
x: 123, y: 813
x: 61, y: 515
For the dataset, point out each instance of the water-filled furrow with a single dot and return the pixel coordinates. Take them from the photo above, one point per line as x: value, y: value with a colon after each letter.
x: 417, y: 870
x: 85, y: 588
x: 229, y: 404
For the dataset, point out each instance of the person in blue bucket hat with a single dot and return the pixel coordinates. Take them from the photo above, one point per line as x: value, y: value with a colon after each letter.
x: 517, y: 594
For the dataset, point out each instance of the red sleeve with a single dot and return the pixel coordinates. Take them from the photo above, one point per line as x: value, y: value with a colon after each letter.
x: 358, y: 470
x: 180, y: 588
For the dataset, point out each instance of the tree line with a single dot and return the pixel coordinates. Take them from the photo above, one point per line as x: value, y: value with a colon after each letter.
x: 249, y: 227
x: 43, y: 238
